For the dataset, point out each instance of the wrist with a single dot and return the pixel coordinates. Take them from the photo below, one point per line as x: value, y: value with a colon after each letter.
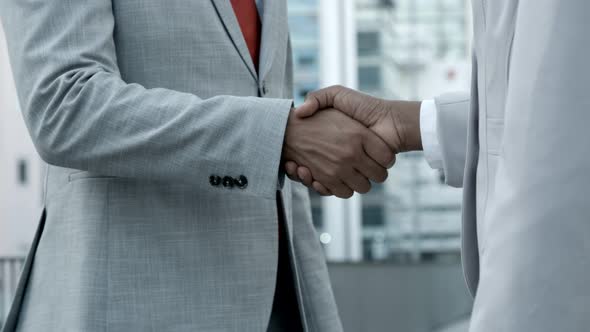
x: 406, y: 119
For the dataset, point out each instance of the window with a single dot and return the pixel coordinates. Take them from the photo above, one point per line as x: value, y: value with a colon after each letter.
x: 369, y: 78
x: 373, y: 215
x: 304, y: 29
x: 368, y: 43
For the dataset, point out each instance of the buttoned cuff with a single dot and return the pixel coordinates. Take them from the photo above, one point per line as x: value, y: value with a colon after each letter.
x: 429, y: 134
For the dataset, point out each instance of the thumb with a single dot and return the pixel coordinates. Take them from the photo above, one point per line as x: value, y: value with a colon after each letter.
x: 318, y: 100
x: 308, y: 108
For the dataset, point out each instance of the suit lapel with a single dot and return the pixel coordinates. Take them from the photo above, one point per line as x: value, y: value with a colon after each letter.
x: 228, y: 17
x: 274, y: 34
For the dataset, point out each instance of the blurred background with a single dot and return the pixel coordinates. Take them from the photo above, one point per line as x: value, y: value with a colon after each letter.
x: 394, y: 254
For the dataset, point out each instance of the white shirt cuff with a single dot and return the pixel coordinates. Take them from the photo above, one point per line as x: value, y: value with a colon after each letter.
x: 429, y: 134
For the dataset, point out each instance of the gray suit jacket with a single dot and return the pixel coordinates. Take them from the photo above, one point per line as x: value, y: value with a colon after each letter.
x: 518, y: 147
x: 135, y: 104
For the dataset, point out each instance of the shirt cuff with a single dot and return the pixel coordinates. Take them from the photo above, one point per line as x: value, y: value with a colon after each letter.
x: 429, y: 134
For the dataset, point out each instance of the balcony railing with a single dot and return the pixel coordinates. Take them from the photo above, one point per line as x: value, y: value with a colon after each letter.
x: 10, y: 268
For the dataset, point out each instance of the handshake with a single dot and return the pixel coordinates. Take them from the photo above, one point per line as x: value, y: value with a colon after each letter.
x: 340, y: 140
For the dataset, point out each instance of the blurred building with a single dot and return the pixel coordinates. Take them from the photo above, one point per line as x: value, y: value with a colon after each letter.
x: 20, y: 169
x: 20, y: 185
x: 405, y: 49
x: 304, y: 26
x: 304, y: 29
x: 412, y: 49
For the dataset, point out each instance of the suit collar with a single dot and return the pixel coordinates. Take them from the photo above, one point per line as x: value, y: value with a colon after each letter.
x: 228, y: 17
x: 274, y: 34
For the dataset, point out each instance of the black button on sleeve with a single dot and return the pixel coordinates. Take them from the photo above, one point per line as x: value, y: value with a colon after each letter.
x: 228, y: 182
x: 214, y: 180
x: 241, y: 182
x: 264, y: 89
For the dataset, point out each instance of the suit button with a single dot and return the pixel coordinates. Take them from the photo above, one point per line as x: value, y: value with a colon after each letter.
x: 264, y: 88
x: 228, y: 182
x: 241, y: 182
x: 215, y: 180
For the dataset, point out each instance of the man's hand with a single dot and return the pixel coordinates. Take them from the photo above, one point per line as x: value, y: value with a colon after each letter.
x: 396, y: 122
x: 340, y: 152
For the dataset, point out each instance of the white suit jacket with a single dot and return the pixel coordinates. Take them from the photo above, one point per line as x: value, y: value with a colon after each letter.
x: 518, y: 146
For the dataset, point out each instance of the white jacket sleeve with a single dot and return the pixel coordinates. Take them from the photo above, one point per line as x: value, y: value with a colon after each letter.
x: 452, y: 112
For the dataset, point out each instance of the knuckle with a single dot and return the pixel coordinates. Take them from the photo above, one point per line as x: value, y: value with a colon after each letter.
x: 350, y: 155
x: 332, y: 172
x: 347, y: 154
x: 358, y: 135
x: 334, y: 89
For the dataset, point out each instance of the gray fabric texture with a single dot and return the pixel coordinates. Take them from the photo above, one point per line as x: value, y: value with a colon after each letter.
x: 134, y: 104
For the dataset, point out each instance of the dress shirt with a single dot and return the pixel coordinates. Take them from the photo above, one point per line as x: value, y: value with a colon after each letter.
x: 429, y: 134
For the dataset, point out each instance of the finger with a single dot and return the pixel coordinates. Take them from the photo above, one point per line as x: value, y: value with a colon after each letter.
x: 293, y: 178
x: 370, y: 169
x: 291, y: 168
x: 321, y: 189
x: 291, y: 171
x: 318, y: 100
x: 378, y: 150
x: 304, y: 174
x: 307, y: 109
x: 339, y: 189
x: 357, y: 182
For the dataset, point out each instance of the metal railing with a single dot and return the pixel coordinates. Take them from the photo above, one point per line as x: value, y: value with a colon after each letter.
x: 10, y: 268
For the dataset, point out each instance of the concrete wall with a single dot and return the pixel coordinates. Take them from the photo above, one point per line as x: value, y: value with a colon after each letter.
x: 400, y: 298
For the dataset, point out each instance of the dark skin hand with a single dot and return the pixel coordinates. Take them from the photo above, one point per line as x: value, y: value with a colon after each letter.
x: 342, y: 154
x: 396, y: 122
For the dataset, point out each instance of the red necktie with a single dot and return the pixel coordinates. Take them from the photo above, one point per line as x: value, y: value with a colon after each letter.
x: 247, y: 15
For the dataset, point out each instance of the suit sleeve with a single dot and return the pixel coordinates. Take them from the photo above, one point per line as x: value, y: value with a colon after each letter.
x: 537, y: 234
x: 81, y: 114
x: 301, y: 204
x: 452, y: 115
